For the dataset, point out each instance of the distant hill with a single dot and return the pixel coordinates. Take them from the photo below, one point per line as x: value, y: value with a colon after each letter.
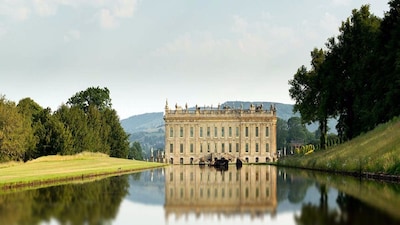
x: 143, y: 122
x: 148, y: 128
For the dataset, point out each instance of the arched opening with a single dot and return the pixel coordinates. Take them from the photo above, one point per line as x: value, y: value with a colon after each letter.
x: 171, y: 160
x: 256, y: 159
x: 267, y: 159
x: 181, y: 161
x: 191, y: 161
x: 247, y: 160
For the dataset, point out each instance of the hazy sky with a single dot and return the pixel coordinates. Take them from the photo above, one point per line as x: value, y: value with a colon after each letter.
x: 201, y: 52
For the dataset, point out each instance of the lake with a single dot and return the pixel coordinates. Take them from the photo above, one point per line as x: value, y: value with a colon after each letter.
x: 254, y: 194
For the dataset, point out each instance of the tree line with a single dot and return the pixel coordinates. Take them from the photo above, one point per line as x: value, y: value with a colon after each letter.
x: 87, y: 122
x: 355, y: 78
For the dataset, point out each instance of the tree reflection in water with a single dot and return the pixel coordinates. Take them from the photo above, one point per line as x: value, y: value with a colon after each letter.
x: 297, y: 187
x: 88, y: 203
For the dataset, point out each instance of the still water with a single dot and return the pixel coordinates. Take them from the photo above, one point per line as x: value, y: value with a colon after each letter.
x: 193, y: 195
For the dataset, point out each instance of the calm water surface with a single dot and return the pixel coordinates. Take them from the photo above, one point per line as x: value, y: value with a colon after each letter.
x: 194, y: 195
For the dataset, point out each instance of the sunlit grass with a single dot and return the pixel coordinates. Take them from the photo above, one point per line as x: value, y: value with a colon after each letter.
x: 53, y: 168
x: 377, y: 151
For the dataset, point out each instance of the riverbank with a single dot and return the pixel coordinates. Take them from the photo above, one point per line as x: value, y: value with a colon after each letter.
x: 375, y: 154
x: 61, y: 169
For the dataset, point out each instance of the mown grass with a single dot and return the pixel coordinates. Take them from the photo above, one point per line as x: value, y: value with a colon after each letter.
x: 61, y: 168
x: 377, y: 151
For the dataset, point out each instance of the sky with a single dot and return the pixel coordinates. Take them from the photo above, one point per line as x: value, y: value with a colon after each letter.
x: 149, y: 51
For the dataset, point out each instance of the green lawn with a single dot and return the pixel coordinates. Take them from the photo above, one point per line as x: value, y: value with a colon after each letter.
x: 52, y: 169
x: 377, y: 151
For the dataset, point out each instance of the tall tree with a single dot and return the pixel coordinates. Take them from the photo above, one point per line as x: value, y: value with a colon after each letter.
x: 310, y: 91
x: 118, y: 138
x: 15, y: 132
x: 135, y: 151
x: 281, y: 133
x: 92, y: 96
x: 354, y: 55
x: 386, y: 84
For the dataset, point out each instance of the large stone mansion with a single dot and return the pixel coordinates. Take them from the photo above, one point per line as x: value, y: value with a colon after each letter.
x: 194, y: 136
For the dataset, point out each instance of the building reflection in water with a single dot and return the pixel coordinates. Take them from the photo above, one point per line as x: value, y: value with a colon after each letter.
x: 203, y: 191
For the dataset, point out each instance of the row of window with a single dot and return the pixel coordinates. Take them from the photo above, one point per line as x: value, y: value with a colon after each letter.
x: 208, y: 134
x: 256, y: 160
x: 224, y: 148
x: 208, y: 176
x: 229, y: 194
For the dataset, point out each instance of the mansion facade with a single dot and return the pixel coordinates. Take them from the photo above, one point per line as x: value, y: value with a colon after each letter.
x: 195, y: 136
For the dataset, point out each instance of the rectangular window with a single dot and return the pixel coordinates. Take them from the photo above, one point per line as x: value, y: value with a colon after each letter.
x: 230, y: 147
x: 237, y: 131
x: 256, y: 131
x: 256, y: 147
x: 215, y: 132
x: 208, y: 147
x: 181, y: 148
x: 191, y: 148
x: 222, y: 147
x: 171, y: 148
x: 215, y: 147
x: 181, y: 132
x: 191, y: 132
x: 230, y: 131
x: 267, y: 147
x: 201, y: 132
x: 247, y: 132
x: 201, y: 148
x: 237, y: 147
x: 171, y: 132
x: 222, y: 131
x: 266, y: 131
x: 208, y: 131
x: 247, y: 147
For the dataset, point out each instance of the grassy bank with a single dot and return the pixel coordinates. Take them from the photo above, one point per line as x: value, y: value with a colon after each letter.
x: 374, y: 153
x: 53, y: 169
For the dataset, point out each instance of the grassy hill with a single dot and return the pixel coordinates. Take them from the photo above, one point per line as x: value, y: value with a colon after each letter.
x: 377, y: 152
x: 56, y: 169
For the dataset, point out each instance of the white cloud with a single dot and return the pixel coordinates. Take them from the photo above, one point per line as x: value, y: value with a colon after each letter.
x: 247, y: 45
x: 72, y: 35
x: 110, y: 15
x: 16, y: 10
x: 109, y: 12
x: 45, y: 7
x: 107, y: 20
x: 124, y: 8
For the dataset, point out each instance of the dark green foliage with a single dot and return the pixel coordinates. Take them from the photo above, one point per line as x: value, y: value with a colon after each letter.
x: 357, y: 79
x: 93, y: 96
x: 16, y: 134
x: 281, y: 133
x: 135, y: 151
x: 28, y: 131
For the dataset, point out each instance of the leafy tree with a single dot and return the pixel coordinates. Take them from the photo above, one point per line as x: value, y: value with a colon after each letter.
x: 296, y: 129
x: 15, y: 132
x: 386, y: 82
x: 135, y: 151
x: 310, y: 91
x: 30, y: 110
x: 118, y: 138
x: 281, y: 133
x: 92, y: 96
x: 353, y: 57
x: 54, y: 138
x: 75, y: 120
